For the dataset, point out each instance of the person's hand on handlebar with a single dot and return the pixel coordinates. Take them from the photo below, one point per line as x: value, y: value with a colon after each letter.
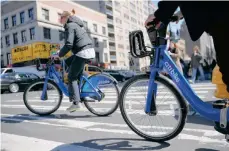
x: 55, y: 56
x: 152, y: 21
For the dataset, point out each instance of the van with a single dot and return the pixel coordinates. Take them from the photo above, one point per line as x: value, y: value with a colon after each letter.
x: 88, y: 69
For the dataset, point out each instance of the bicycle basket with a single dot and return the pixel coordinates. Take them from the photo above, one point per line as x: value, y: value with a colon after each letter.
x: 137, y: 45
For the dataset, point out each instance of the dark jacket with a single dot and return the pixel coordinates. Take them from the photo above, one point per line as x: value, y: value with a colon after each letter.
x: 195, y: 60
x: 198, y: 15
x: 76, y: 37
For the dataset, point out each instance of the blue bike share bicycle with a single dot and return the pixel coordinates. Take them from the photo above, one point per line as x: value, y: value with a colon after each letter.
x: 99, y: 92
x: 160, y: 102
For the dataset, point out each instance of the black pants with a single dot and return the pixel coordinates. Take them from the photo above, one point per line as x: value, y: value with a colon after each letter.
x: 220, y: 32
x: 76, y: 68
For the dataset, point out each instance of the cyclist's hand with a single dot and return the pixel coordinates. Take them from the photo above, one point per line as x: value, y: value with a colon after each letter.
x: 55, y: 56
x: 150, y: 18
x: 153, y: 22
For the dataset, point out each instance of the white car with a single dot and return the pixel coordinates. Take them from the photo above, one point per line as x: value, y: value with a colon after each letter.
x: 31, y: 69
x: 7, y: 70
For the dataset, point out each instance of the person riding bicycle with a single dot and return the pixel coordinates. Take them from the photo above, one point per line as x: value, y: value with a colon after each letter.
x: 79, y: 42
x: 200, y: 16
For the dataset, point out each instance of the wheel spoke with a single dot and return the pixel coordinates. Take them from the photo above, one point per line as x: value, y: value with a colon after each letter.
x: 162, y: 126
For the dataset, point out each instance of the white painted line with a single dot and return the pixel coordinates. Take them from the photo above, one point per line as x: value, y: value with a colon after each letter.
x: 11, y: 142
x: 85, y: 125
x: 203, y: 139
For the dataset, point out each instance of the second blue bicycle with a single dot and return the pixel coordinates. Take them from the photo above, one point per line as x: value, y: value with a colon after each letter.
x: 99, y: 92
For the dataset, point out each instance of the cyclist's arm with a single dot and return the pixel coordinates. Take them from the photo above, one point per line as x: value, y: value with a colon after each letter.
x: 165, y: 10
x: 69, y: 39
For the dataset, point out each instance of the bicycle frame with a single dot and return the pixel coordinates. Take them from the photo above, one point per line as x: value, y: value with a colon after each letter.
x: 162, y: 59
x: 53, y: 75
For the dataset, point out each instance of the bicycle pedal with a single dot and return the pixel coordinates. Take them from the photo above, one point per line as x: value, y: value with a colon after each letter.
x: 220, y: 104
x: 88, y: 99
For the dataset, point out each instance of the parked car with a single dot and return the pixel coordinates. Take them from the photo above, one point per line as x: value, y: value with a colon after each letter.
x: 119, y: 76
x: 31, y: 69
x: 6, y: 70
x: 128, y: 74
x: 16, y: 81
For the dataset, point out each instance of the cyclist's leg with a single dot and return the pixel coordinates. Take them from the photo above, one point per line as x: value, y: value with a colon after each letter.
x: 220, y: 34
x: 76, y: 68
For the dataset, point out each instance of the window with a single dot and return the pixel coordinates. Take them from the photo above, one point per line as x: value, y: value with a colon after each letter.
x: 6, y: 24
x: 126, y: 16
x: 105, y: 43
x: 106, y: 57
x: 97, y: 56
x: 9, y: 61
x: 47, y: 34
x: 132, y: 5
x: 117, y: 4
x: 14, y: 20
x: 61, y: 35
x: 2, y: 64
x: 96, y: 43
x: 133, y: 20
x: 133, y: 12
x: 9, y: 71
x: 15, y: 38
x: 32, y: 33
x: 1, y: 43
x: 33, y: 76
x: 118, y: 21
x: 7, y: 40
x: 95, y: 27
x: 22, y: 17
x: 104, y: 30
x: 30, y: 11
x: 45, y: 14
x: 23, y: 36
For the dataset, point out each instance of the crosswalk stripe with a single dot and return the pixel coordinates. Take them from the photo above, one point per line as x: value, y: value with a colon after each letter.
x: 86, y: 124
x: 104, y: 102
x: 23, y: 143
x: 130, y: 111
x: 113, y: 128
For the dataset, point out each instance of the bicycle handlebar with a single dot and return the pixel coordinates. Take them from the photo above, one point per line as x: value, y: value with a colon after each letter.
x: 40, y: 67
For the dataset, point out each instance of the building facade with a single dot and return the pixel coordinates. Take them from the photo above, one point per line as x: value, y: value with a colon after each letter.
x: 123, y: 17
x: 25, y: 22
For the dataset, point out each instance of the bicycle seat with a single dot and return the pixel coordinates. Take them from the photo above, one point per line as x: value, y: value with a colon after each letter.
x: 221, y: 88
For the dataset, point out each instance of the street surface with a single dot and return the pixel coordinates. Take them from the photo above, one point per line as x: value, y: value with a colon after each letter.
x: 83, y: 131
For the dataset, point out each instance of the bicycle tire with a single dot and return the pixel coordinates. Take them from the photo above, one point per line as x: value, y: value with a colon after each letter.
x: 36, y: 112
x: 114, y: 108
x: 168, y: 83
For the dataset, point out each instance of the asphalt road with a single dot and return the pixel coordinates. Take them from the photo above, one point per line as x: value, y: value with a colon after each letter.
x: 83, y: 131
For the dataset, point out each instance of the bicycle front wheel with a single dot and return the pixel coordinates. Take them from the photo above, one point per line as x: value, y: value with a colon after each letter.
x: 109, y: 87
x: 172, y: 110
x: 32, y: 97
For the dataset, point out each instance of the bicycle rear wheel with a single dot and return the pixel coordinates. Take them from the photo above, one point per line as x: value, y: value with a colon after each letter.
x: 108, y: 86
x: 32, y: 97
x: 171, y: 107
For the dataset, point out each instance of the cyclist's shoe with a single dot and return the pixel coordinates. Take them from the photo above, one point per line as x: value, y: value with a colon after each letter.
x: 74, y: 107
